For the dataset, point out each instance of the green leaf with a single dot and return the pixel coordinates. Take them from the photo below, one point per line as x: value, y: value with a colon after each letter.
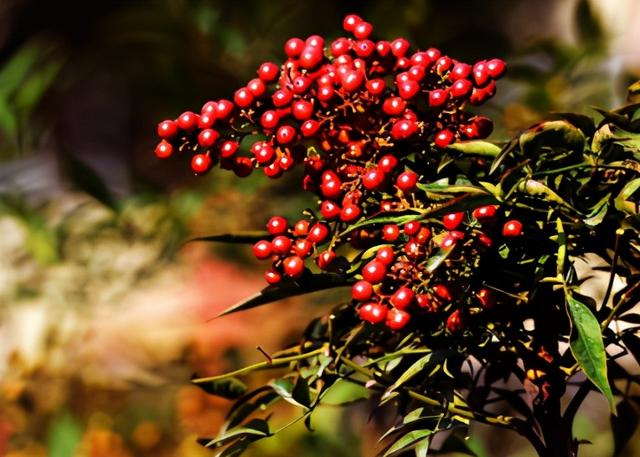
x: 256, y: 428
x: 417, y: 367
x: 422, y: 448
x: 562, y: 248
x: 290, y: 288
x: 437, y: 259
x: 476, y: 147
x: 246, y: 237
x: 407, y: 441
x: 297, y: 394
x: 622, y: 202
x: 243, y: 408
x: 623, y: 425
x: 64, y: 435
x: 551, y: 134
x: 587, y: 347
x: 230, y: 388
x: 387, y: 219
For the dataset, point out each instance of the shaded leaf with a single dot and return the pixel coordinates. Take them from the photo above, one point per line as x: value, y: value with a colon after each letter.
x: 407, y: 441
x: 231, y: 388
x: 413, y: 370
x: 551, y: 134
x: 587, y: 347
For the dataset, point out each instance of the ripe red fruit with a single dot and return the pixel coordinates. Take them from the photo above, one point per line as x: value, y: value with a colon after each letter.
x: 408, y: 89
x: 310, y: 57
x: 167, y: 129
x: 383, y: 48
x: 454, y: 322
x: 512, y: 228
x: 163, y: 150
x: 281, y: 97
x: 374, y: 313
x: 293, y: 266
x: 385, y: 255
x: 206, y: 120
x: 399, y: 47
x: 390, y: 232
x: 277, y: 225
x: 443, y: 64
x: 394, y: 106
x: 442, y: 291
x: 325, y: 93
x: 364, y: 49
x: 228, y: 148
x: 315, y: 41
x: 352, y: 80
x: 268, y: 72
x: 426, y: 301
x: 309, y: 128
x: 350, y: 213
x: 207, y: 138
x: 329, y: 210
x: 403, y: 129
x: 301, y: 84
x: 208, y: 108
x: 448, y: 241
x: 200, y: 163
x: 331, y: 189
x: 461, y: 88
x: 484, y: 213
x: 481, y: 73
x: 281, y: 244
x: 318, y: 233
x: 375, y: 86
x: 362, y: 30
x: 269, y: 119
x: 243, y: 97
x: 264, y: 153
x: 483, y: 125
x: 397, y: 319
x: 432, y: 54
x: 412, y: 248
x: 188, y: 121
x: 485, y: 240
x: 350, y: 22
x: 325, y: 259
x: 340, y: 46
x: 416, y: 72
x: 407, y: 181
x: 272, y: 276
x: 362, y: 291
x: 372, y: 179
x: 387, y: 163
x: 444, y: 138
x: 301, y: 228
x: 496, y: 68
x: 256, y: 87
x: 286, y: 134
x: 223, y: 109
x: 293, y: 47
x: 374, y: 271
x: 438, y: 97
x: 273, y: 170
x: 460, y: 71
x: 423, y: 235
x: 302, y: 109
x: 302, y: 248
x: 486, y: 298
x: 402, y: 298
x: 453, y: 220
x: 262, y: 249
x: 242, y: 166
x: 411, y: 228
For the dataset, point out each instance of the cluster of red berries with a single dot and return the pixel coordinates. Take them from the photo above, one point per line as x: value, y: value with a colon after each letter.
x: 399, y: 282
x: 356, y: 113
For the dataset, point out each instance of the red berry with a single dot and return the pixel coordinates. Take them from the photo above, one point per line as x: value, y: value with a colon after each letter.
x: 412, y: 248
x: 243, y: 98
x: 416, y: 73
x: 208, y: 108
x: 331, y: 189
x: 277, y: 225
x: 442, y: 292
x: 302, y: 109
x: 387, y: 163
x: 268, y: 72
x: 438, y: 97
x: 302, y: 248
x: 362, y: 291
x: 444, y: 138
x: 269, y: 119
x: 164, y: 149
x: 318, y: 233
x: 432, y: 54
x: 372, y: 179
x: 286, y: 134
x: 485, y: 240
x: 262, y: 249
x: 272, y: 276
x: 461, y: 88
x: 374, y: 271
x: 375, y: 86
x: 309, y: 128
x: 483, y: 125
x: 390, y: 232
x: 374, y: 313
x: 453, y: 220
x: 486, y: 298
x: 403, y: 129
x: 329, y: 210
x: 315, y: 41
x: 402, y: 298
x: 496, y: 68
x: 223, y: 109
x: 167, y: 129
x: 340, y: 46
x: 399, y: 47
x: 264, y: 153
x: 394, y: 106
x: 301, y: 228
x: 228, y: 148
x: 188, y: 121
x: 383, y: 48
x: 293, y: 266
x: 200, y: 163
x: 448, y: 241
x: 426, y: 301
x: 407, y: 181
x: 281, y: 97
x: 256, y: 87
x: 454, y: 322
x: 385, y: 255
x: 301, y: 85
x: 207, y: 138
x: 512, y: 228
x: 397, y: 319
x: 206, y: 120
x: 293, y: 47
x: 412, y: 228
x: 273, y: 170
x: 362, y: 30
x: 310, y: 57
x: 484, y: 213
x: 242, y: 166
x: 443, y: 64
x: 460, y: 71
x: 281, y: 244
x: 423, y: 235
x: 325, y: 259
x: 350, y: 213
x: 352, y: 80
x: 481, y: 73
x: 350, y: 22
x: 325, y: 93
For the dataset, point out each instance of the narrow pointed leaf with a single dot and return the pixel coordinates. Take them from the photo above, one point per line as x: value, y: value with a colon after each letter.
x: 476, y: 147
x: 230, y: 388
x: 248, y: 237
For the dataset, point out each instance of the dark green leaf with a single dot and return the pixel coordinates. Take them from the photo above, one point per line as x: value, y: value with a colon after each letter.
x: 416, y: 368
x: 407, y: 441
x: 290, y: 288
x: 623, y: 425
x: 230, y: 388
x: 551, y: 134
x: 587, y: 347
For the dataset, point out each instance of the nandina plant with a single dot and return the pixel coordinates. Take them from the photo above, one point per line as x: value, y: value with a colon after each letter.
x: 470, y: 300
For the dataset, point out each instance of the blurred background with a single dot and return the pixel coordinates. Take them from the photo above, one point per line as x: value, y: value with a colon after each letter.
x: 104, y: 312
